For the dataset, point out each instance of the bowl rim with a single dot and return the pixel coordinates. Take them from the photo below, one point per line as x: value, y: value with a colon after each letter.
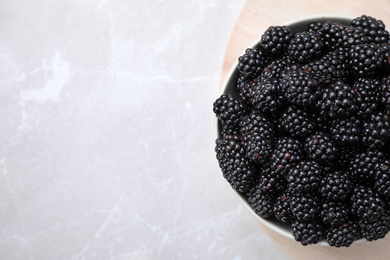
x: 233, y: 69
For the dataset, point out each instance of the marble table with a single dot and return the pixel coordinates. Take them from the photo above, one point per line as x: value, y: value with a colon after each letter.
x: 106, y: 133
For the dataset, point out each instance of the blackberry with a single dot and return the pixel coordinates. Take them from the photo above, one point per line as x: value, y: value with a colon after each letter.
x: 382, y: 179
x: 251, y: 63
x: 330, y: 67
x: 336, y: 187
x: 282, y: 210
x: 299, y: 88
x: 343, y: 235
x: 374, y: 29
x: 305, y: 176
x: 375, y: 230
x: 366, y: 204
x: 274, y: 69
x: 287, y: 152
x: 235, y: 166
x: 369, y: 91
x: 365, y: 59
x: 305, y: 46
x: 304, y: 207
x: 258, y: 136
x: 385, y: 49
x: 376, y: 131
x: 336, y: 35
x: 261, y: 203
x: 385, y: 92
x: 275, y: 39
x: 346, y: 131
x: 295, y: 122
x: 362, y: 167
x: 320, y: 148
x: 345, y: 156
x: 315, y: 26
x: 230, y: 130
x: 229, y: 110
x: 307, y: 233
x: 334, y: 213
x: 338, y: 100
x: 267, y: 98
x: 272, y: 183
x: 245, y: 90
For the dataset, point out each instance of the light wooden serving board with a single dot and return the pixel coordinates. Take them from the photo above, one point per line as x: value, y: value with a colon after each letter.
x: 254, y: 19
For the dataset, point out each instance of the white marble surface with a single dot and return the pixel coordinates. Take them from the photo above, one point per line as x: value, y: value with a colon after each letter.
x: 107, y: 130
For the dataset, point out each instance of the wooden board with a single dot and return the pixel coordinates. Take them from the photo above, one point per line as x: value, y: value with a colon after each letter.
x: 254, y: 19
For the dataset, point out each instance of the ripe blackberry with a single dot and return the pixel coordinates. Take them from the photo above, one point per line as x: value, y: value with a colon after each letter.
x: 245, y: 90
x: 295, y: 122
x: 369, y: 91
x: 343, y: 235
x: 366, y: 204
x: 230, y: 130
x: 385, y: 49
x: 374, y: 29
x: 362, y: 167
x: 330, y: 67
x: 272, y: 183
x: 229, y: 109
x: 336, y: 35
x: 235, y: 166
x: 382, y: 179
x: 266, y: 97
x: 338, y: 100
x: 346, y: 131
x: 385, y: 92
x: 365, y: 59
x: 336, y: 187
x: 305, y: 46
x: 334, y: 213
x: 299, y: 88
x: 258, y: 136
x: 307, y: 233
x: 345, y: 156
x: 274, y: 69
x: 305, y: 176
x: 304, y: 207
x: 376, y: 131
x: 282, y: 210
x: 320, y: 148
x: 375, y: 230
x: 252, y: 63
x: 315, y: 26
x: 261, y: 203
x: 275, y: 39
x: 287, y: 152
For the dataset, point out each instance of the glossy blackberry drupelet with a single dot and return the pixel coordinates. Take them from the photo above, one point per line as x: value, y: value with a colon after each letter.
x: 315, y: 26
x: 336, y: 186
x: 330, y: 67
x: 304, y: 207
x: 229, y: 109
x: 369, y: 93
x: 275, y: 39
x: 343, y: 235
x: 305, y: 46
x: 258, y: 137
x: 295, y: 122
x: 338, y: 100
x: 376, y: 131
x: 382, y: 179
x: 321, y: 148
x: 362, y: 166
x: 299, y: 88
x: 385, y: 92
x: 307, y: 233
x: 271, y: 182
x: 372, y: 231
x: 336, y: 35
x: 287, y: 152
x: 252, y: 63
x: 235, y: 166
x: 346, y: 131
x: 267, y: 98
x: 334, y: 213
x: 366, y: 59
x: 373, y: 29
x: 261, y: 203
x: 304, y: 177
x: 366, y: 204
x: 282, y: 209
